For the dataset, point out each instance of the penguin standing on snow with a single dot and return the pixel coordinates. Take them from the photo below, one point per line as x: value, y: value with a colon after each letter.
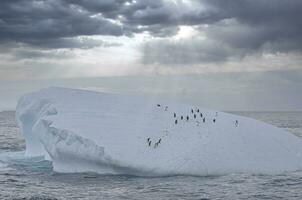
x: 192, y: 111
x: 176, y: 121
x: 174, y: 115
x: 181, y: 117
x: 201, y: 115
x: 204, y: 120
x: 194, y: 116
x: 214, y: 120
x: 187, y: 118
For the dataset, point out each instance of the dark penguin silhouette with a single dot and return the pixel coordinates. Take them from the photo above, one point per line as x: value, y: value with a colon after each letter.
x: 149, y: 143
x: 204, y: 120
x: 159, y: 140
x: 236, y: 123
x: 176, y: 121
x: 192, y: 111
x: 187, y: 118
x: 195, y: 116
x: 214, y: 120
x: 201, y: 115
x: 174, y: 115
x: 158, y: 105
x: 198, y: 110
x: 148, y: 139
x: 181, y: 117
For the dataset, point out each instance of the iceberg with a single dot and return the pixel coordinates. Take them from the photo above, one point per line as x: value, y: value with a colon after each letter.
x: 85, y: 131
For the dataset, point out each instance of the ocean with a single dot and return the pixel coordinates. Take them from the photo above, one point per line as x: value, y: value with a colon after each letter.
x: 34, y: 179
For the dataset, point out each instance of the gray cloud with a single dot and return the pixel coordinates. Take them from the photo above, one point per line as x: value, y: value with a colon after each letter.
x: 27, y: 20
x: 60, y: 48
x: 33, y: 54
x: 72, y: 43
x: 234, y: 28
x: 238, y: 26
x: 105, y: 6
x: 257, y: 23
x: 37, y: 19
x: 34, y: 21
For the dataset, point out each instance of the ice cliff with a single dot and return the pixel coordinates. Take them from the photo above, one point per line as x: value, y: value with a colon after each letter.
x: 82, y: 131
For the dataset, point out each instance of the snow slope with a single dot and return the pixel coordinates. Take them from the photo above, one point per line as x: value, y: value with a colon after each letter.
x: 107, y: 133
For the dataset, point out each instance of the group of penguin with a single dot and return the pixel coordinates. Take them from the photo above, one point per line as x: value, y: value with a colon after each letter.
x: 149, y: 142
x: 194, y: 115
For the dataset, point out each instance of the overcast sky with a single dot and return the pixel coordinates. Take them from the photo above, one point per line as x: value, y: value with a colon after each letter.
x: 223, y: 54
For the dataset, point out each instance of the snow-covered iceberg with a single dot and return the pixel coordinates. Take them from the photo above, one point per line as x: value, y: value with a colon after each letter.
x: 82, y: 131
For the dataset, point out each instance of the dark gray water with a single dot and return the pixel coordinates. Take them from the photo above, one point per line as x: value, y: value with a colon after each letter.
x: 34, y: 179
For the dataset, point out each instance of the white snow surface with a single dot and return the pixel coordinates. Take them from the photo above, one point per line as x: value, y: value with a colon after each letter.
x: 84, y: 131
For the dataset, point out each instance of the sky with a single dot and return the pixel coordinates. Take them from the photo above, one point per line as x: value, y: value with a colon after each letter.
x: 221, y: 54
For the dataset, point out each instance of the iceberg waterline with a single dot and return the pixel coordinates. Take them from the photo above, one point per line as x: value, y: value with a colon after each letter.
x: 82, y: 131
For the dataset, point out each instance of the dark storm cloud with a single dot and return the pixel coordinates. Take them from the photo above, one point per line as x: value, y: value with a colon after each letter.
x: 246, y: 25
x: 256, y: 11
x: 33, y: 22
x: 159, y: 18
x: 274, y: 22
x: 103, y: 6
x: 240, y: 27
x: 148, y: 12
x: 28, y: 20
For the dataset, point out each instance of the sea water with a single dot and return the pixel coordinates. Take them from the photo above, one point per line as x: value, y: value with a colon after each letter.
x: 23, y: 178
